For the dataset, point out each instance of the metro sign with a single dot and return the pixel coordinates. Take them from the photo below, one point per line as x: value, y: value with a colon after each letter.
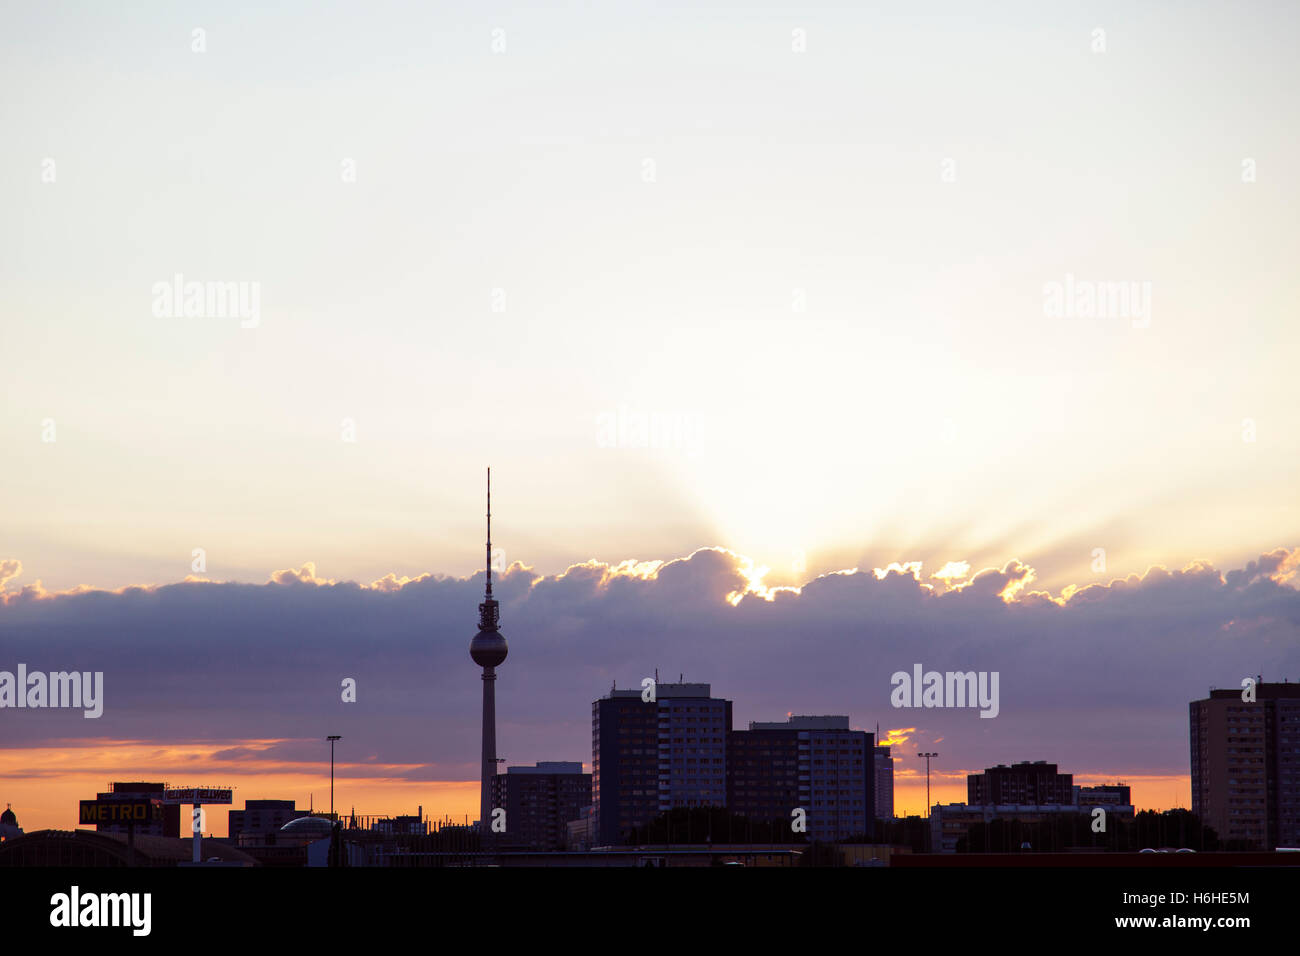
x: 129, y: 812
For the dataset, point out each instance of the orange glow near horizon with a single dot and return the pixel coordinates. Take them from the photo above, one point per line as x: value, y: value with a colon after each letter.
x: 44, y: 784
x: 1150, y: 791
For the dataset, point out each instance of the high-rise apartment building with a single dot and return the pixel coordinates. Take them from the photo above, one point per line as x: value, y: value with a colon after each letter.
x: 540, y: 801
x: 763, y: 773
x: 678, y: 750
x: 1245, y: 758
x: 692, y: 738
x: 648, y: 756
x: 884, y: 765
x: 832, y: 778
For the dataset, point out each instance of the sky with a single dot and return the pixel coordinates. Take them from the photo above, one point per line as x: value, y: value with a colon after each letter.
x: 780, y: 281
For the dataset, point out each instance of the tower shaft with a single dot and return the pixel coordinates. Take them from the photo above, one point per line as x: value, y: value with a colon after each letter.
x: 489, y: 752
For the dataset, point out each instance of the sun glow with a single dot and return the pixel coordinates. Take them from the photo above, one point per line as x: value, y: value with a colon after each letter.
x: 753, y: 576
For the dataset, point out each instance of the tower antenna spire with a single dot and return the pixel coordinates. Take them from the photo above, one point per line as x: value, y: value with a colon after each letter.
x: 489, y: 532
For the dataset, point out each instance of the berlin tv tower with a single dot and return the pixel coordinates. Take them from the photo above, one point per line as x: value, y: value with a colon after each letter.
x: 488, y: 649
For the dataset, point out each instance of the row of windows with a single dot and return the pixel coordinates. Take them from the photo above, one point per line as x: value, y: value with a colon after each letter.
x: 690, y: 709
x: 695, y: 740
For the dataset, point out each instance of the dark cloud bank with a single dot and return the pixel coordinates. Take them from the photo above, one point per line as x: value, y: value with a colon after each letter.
x: 1097, y: 680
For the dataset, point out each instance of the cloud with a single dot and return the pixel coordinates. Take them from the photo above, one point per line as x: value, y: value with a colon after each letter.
x: 1278, y: 566
x: 896, y: 737
x: 9, y: 569
x: 304, y: 575
x: 1095, y: 678
x: 1005, y: 583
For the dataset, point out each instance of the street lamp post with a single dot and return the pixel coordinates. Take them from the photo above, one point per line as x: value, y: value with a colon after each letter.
x: 927, y: 757
x: 331, y: 738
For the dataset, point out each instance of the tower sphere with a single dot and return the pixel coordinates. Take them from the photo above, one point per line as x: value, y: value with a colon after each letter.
x: 488, y: 648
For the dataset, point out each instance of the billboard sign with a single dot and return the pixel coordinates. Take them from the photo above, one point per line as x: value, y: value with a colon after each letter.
x: 200, y: 795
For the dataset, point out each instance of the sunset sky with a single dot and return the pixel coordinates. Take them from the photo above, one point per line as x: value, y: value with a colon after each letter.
x: 516, y: 235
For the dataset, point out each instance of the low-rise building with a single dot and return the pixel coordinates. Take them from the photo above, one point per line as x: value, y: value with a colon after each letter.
x: 1105, y: 795
x: 1028, y: 782
x: 169, y: 825
x: 949, y: 823
x: 260, y: 820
